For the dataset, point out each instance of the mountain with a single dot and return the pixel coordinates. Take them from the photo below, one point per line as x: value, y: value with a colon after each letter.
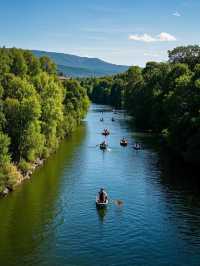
x: 76, y: 66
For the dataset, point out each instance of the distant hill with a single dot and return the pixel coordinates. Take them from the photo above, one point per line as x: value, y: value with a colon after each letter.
x: 77, y: 66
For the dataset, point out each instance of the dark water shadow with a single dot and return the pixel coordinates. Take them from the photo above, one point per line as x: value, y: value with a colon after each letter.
x: 101, y: 213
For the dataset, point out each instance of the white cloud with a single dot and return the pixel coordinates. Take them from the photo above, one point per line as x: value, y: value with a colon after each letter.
x: 176, y: 14
x: 166, y: 37
x: 162, y: 37
x: 143, y: 38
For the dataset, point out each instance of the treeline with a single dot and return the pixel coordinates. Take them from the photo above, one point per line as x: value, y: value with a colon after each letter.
x: 36, y: 112
x: 162, y: 97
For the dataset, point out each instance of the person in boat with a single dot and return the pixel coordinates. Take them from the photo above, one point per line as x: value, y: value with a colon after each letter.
x: 102, y: 196
x: 137, y: 146
x: 103, y: 143
x: 105, y: 131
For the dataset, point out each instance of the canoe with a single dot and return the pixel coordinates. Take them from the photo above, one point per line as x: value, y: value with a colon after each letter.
x: 123, y: 143
x: 136, y: 148
x: 103, y: 146
x: 101, y: 204
x: 106, y: 133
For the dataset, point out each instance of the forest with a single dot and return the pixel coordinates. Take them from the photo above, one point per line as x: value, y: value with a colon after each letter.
x: 37, y: 111
x: 163, y: 98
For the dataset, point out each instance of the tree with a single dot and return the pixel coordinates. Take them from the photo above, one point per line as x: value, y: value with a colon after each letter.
x: 33, y: 63
x: 6, y: 62
x: 18, y: 66
x: 36, y: 111
x: 4, y: 149
x: 189, y: 55
x: 116, y: 94
x: 134, y: 87
x: 47, y: 65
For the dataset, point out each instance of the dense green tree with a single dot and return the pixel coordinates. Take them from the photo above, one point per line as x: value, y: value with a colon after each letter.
x: 47, y: 65
x: 116, y: 94
x: 6, y: 62
x: 189, y: 55
x: 161, y: 97
x: 33, y: 63
x: 18, y: 66
x: 36, y: 112
x: 4, y: 150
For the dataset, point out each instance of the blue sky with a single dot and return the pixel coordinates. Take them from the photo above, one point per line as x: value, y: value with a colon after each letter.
x: 129, y: 32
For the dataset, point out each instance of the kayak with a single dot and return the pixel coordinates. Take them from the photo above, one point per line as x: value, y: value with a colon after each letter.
x: 101, y: 204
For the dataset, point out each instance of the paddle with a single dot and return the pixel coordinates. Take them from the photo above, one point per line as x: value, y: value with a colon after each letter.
x: 93, y: 146
x: 118, y: 202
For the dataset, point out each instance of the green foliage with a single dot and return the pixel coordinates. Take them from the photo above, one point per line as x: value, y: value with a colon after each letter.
x: 24, y: 166
x: 162, y: 97
x: 47, y: 65
x: 36, y: 111
x: 18, y: 66
x: 189, y: 55
x: 33, y: 63
x: 11, y: 176
x: 4, y: 153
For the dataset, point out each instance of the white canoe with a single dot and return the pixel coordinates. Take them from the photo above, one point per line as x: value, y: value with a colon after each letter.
x: 101, y: 204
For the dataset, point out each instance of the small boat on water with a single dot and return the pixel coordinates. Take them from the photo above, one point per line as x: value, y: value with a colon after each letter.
x: 124, y: 142
x: 102, y: 199
x: 101, y: 204
x: 103, y: 146
x: 137, y: 147
x: 101, y: 120
x: 113, y: 119
x: 105, y: 132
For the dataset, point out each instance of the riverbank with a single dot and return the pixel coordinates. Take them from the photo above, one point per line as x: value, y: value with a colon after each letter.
x: 28, y: 170
x: 22, y: 177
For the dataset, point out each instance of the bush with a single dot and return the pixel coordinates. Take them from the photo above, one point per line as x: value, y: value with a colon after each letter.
x: 24, y: 166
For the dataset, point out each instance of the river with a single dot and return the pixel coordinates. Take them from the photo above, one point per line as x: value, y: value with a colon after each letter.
x: 52, y: 219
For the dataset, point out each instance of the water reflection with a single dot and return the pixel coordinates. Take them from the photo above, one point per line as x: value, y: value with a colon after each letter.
x: 182, y: 190
x: 101, y: 213
x: 31, y: 213
x: 52, y: 219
